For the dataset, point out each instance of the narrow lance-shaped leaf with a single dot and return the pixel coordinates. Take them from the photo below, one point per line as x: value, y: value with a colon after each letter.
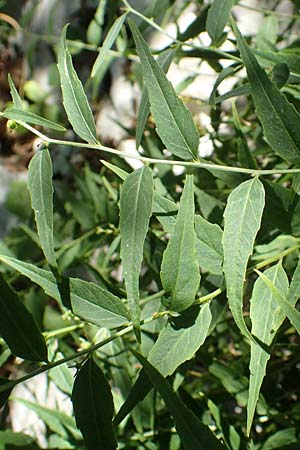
x: 192, y: 432
x: 41, y: 193
x: 217, y: 17
x: 242, y: 218
x: 164, y: 60
x: 17, y: 101
x: 289, y: 310
x: 135, y: 213
x: 174, y: 121
x: 75, y: 102
x: 179, y: 271
x: 18, y: 328
x: 93, y: 407
x: 108, y: 43
x: 180, y: 339
x: 279, y: 118
x: 29, y: 117
x: 266, y: 318
x: 88, y: 300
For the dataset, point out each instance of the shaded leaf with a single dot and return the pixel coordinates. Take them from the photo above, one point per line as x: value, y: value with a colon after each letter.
x: 242, y: 217
x: 108, y: 43
x: 75, y: 102
x: 217, y: 17
x: 279, y: 118
x: 93, y: 407
x: 135, y: 213
x: 28, y: 117
x: 193, y: 433
x: 18, y: 328
x: 266, y: 318
x: 88, y: 300
x: 174, y: 121
x: 180, y: 274
x: 4, y: 395
x: 41, y: 193
x: 289, y: 310
x: 180, y: 339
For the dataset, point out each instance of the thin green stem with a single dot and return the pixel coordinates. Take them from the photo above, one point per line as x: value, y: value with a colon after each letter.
x: 145, y: 159
x: 277, y: 257
x: 85, y: 351
x: 174, y: 39
x: 269, y: 12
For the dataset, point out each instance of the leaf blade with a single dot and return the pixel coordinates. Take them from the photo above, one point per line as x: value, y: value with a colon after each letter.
x: 41, y: 193
x: 217, y: 17
x: 174, y: 121
x: 75, y: 102
x: 266, y: 318
x: 135, y: 213
x: 180, y: 274
x: 29, y: 117
x: 108, y: 43
x: 93, y: 407
x: 239, y: 234
x: 193, y: 433
x: 18, y: 328
x: 279, y: 118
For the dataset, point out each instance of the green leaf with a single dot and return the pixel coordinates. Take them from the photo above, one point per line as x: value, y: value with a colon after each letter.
x: 266, y: 318
x: 225, y: 73
x: 93, y: 407
x: 164, y: 60
x: 17, y: 101
x: 294, y: 290
x: 217, y: 17
x: 28, y: 117
x: 75, y: 102
x: 193, y: 433
x: 278, y: 117
x: 41, y: 193
x: 108, y: 43
x: 18, y: 328
x: 57, y: 421
x: 174, y: 121
x: 209, y: 245
x: 89, y: 301
x: 135, y: 213
x: 19, y: 440
x: 289, y: 310
x: 242, y: 219
x: 180, y: 339
x: 281, y: 439
x: 180, y: 274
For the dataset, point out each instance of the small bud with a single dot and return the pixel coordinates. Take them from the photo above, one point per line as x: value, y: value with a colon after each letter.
x: 11, y: 124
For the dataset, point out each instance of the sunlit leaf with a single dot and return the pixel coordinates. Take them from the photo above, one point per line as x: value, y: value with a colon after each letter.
x: 174, y: 121
x: 266, y: 318
x: 217, y: 17
x: 29, y: 117
x: 17, y: 101
x: 179, y: 270
x: 279, y: 118
x: 242, y: 219
x: 41, y: 193
x: 75, y: 102
x: 108, y: 43
x: 88, y: 300
x: 135, y: 213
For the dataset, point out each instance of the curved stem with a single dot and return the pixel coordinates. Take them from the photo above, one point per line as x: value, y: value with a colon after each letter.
x: 145, y: 159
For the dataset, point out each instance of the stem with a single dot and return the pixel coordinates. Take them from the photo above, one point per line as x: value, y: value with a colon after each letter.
x: 83, y: 352
x: 174, y: 39
x: 145, y: 159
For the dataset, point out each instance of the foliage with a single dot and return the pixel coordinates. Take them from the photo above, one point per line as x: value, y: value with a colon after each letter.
x: 174, y: 286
